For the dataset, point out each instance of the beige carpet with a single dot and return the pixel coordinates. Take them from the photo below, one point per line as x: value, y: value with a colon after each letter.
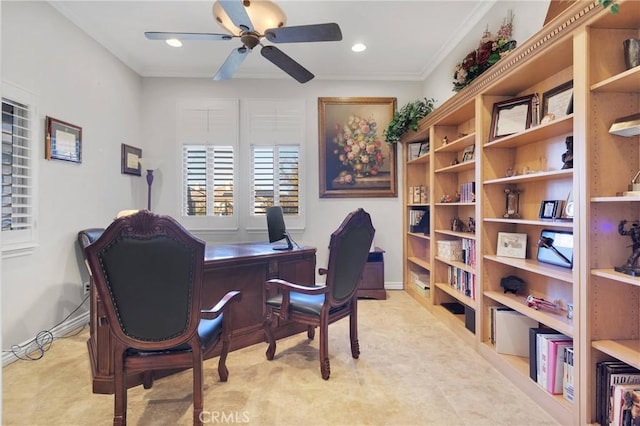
x: 412, y: 371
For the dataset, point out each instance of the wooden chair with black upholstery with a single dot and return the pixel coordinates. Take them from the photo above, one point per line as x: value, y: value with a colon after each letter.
x: 148, y: 272
x: 319, y: 306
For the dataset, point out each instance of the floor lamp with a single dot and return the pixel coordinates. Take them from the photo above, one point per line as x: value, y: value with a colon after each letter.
x: 151, y: 165
x: 149, y: 183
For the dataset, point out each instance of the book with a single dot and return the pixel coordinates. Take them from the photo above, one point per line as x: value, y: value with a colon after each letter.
x: 511, y: 332
x: 567, y: 381
x: 543, y: 355
x: 555, y: 373
x: 625, y: 396
x: 533, y: 349
x: 609, y: 374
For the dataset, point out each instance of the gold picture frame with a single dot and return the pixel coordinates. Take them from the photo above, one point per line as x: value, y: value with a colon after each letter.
x: 354, y: 159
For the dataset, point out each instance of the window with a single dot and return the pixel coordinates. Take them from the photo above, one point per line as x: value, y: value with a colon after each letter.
x: 238, y: 161
x: 19, y: 131
x: 208, y: 180
x: 275, y: 179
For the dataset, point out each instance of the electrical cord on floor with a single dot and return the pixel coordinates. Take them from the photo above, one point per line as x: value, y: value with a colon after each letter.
x: 43, y: 340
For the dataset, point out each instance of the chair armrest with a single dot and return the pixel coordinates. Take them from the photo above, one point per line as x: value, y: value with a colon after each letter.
x: 323, y: 271
x: 222, y: 305
x: 287, y: 286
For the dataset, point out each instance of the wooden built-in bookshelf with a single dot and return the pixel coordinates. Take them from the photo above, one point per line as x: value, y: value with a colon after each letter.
x: 583, y: 45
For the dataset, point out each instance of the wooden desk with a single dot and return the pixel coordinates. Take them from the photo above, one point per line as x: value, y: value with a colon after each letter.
x: 243, y: 267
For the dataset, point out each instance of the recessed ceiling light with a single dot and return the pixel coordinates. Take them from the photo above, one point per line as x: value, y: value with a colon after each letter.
x: 358, y: 47
x: 174, y: 42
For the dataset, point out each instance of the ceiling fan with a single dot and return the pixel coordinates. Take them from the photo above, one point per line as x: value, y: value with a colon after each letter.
x: 251, y: 22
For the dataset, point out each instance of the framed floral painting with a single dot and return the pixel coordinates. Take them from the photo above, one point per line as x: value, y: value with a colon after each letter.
x: 355, y: 161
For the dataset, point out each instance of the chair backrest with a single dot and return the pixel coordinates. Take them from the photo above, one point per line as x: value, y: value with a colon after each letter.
x: 348, y: 251
x: 148, y: 271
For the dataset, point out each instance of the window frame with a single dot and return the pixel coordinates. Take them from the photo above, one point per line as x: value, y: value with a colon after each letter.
x: 19, y: 243
x: 187, y: 135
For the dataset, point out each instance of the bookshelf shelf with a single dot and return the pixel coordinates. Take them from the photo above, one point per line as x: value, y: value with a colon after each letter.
x: 549, y: 224
x: 557, y: 321
x: 625, y: 82
x: 534, y: 134
x: 531, y: 177
x: 557, y: 272
x: 467, y: 235
x: 456, y: 168
x: 465, y: 300
x: 423, y: 159
x: 417, y: 235
x: 617, y: 199
x: 459, y: 265
x: 458, y: 144
x: 624, y: 350
x: 616, y: 276
x: 421, y: 263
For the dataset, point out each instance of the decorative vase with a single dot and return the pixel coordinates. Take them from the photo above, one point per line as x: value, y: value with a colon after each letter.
x: 631, y: 52
x: 357, y: 169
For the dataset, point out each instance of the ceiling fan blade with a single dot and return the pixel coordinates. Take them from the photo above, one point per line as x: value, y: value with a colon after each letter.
x: 237, y: 13
x: 231, y: 64
x: 286, y: 64
x: 186, y: 36
x: 304, y: 33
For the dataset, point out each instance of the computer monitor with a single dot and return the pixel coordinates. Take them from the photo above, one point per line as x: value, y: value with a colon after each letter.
x: 277, y: 228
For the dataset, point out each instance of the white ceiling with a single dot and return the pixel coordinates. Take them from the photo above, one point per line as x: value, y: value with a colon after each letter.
x: 405, y: 39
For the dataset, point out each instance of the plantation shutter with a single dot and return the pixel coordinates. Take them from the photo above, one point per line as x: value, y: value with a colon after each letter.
x: 275, y: 179
x: 208, y: 177
x: 275, y: 133
x: 18, y: 172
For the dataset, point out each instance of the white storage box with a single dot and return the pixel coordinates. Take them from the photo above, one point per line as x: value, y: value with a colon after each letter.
x: 450, y: 250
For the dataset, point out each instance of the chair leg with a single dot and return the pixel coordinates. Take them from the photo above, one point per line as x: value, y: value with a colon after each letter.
x: 147, y: 379
x: 325, y: 368
x: 120, y: 390
x: 311, y: 332
x: 353, y: 330
x: 271, y: 349
x: 223, y: 372
x: 197, y: 387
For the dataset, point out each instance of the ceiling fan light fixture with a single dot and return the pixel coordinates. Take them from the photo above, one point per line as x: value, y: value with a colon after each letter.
x: 359, y: 47
x: 173, y: 42
x: 263, y: 15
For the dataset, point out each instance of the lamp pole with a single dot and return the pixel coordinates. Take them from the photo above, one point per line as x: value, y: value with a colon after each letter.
x: 149, y: 183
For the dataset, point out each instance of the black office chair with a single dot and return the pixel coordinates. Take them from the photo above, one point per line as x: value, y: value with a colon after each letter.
x: 320, y: 306
x: 147, y: 270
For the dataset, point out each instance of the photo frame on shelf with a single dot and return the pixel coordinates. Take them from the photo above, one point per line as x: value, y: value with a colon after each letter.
x: 550, y: 209
x: 512, y: 245
x: 414, y: 150
x: 557, y: 102
x: 469, y: 153
x: 511, y: 116
x: 130, y: 160
x: 424, y: 148
x: 63, y: 141
x: 371, y: 173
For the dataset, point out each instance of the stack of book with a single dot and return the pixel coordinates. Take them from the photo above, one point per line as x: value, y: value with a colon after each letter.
x: 548, y: 353
x: 617, y: 394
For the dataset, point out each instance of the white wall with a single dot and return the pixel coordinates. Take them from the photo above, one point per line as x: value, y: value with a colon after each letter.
x: 528, y: 19
x: 160, y: 96
x: 77, y: 81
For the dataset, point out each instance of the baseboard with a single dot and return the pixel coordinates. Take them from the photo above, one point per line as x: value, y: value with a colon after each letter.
x: 393, y: 286
x: 57, y: 332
